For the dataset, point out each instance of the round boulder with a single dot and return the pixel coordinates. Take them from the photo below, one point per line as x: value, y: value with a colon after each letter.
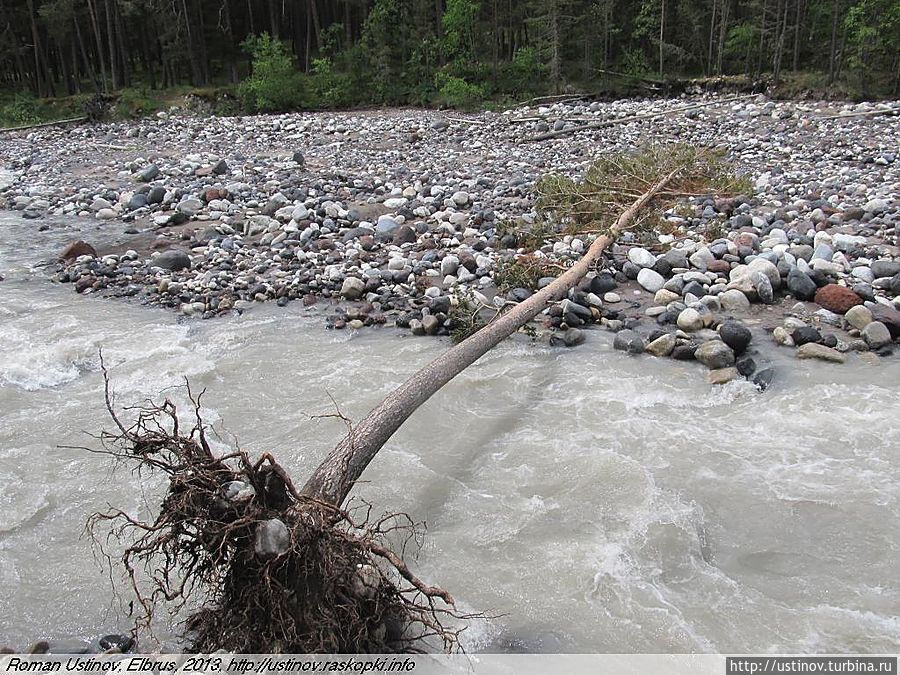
x: 736, y: 335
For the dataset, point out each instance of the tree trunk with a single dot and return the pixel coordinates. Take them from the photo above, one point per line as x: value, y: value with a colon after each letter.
x: 39, y: 79
x: 334, y: 478
x: 111, y: 43
x: 662, y: 31
x: 832, y: 57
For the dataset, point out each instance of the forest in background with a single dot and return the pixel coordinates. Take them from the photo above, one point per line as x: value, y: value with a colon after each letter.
x: 270, y: 55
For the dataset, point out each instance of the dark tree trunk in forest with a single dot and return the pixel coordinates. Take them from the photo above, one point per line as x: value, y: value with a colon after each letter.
x: 40, y: 85
x: 111, y: 44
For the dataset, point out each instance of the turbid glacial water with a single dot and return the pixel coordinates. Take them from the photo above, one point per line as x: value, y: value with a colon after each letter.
x: 600, y: 502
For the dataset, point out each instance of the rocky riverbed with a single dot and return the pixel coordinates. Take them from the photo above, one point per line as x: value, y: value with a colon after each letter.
x: 398, y: 216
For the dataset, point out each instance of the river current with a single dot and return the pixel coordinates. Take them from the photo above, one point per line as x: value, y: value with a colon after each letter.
x: 599, y: 502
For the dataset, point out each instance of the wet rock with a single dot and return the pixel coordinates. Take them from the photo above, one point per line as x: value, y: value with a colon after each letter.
x: 859, y: 317
x: 662, y: 346
x: 736, y: 335
x: 76, y: 249
x: 272, y: 539
x: 806, y: 334
x: 684, y: 352
x: 430, y: 324
x: 837, y: 299
x: 628, y: 341
x: 352, y: 288
x: 745, y: 365
x: 121, y: 643
x: 573, y: 337
x: 811, y: 350
x: 690, y: 320
x: 876, y: 335
x: 722, y: 375
x: 715, y: 354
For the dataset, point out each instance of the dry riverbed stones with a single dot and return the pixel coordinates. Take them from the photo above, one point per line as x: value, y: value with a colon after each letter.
x: 342, y: 212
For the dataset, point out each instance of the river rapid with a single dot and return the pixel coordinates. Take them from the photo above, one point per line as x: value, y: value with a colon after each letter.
x: 599, y: 502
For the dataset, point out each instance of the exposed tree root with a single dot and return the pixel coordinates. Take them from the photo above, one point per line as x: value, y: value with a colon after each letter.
x: 326, y: 580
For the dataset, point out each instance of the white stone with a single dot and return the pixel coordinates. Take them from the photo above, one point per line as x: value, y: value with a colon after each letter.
x: 641, y: 257
x: 650, y: 281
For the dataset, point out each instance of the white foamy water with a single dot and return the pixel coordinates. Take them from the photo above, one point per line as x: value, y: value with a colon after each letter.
x: 599, y: 502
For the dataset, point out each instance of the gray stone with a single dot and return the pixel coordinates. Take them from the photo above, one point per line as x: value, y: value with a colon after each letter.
x: 173, y: 259
x: 885, y: 268
x: 800, y: 285
x: 858, y: 316
x: 782, y: 337
x: 767, y: 268
x: 649, y: 280
x: 676, y: 258
x: 430, y: 324
x: 763, y: 287
x: 352, y: 288
x: 449, y: 265
x: 272, y: 539
x: 386, y: 225
x: 628, y: 341
x: 573, y: 337
x: 733, y: 301
x: 148, y: 173
x: 460, y: 198
x: 156, y: 195
x: 876, y: 206
x: 641, y: 257
x: 690, y: 320
x: 876, y: 335
x: 812, y: 350
x: 702, y: 257
x: 662, y: 346
x: 189, y: 206
x: 715, y: 354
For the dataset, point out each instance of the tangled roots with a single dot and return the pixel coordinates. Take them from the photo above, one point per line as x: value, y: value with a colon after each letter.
x: 270, y: 569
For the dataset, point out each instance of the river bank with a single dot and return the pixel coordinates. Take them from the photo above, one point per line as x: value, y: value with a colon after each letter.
x: 394, y: 217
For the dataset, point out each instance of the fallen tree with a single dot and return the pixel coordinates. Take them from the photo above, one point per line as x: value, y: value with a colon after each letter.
x: 274, y: 568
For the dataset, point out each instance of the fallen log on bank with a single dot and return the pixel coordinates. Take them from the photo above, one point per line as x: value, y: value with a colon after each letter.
x: 55, y: 123
x: 275, y: 568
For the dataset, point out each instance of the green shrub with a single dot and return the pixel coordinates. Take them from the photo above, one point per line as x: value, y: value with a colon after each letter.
x: 456, y: 92
x: 330, y: 88
x: 21, y: 110
x: 274, y: 84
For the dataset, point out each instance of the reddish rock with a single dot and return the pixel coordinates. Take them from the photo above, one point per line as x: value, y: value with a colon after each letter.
x: 837, y: 299
x: 77, y: 248
x: 719, y: 267
x: 214, y: 193
x: 889, y: 317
